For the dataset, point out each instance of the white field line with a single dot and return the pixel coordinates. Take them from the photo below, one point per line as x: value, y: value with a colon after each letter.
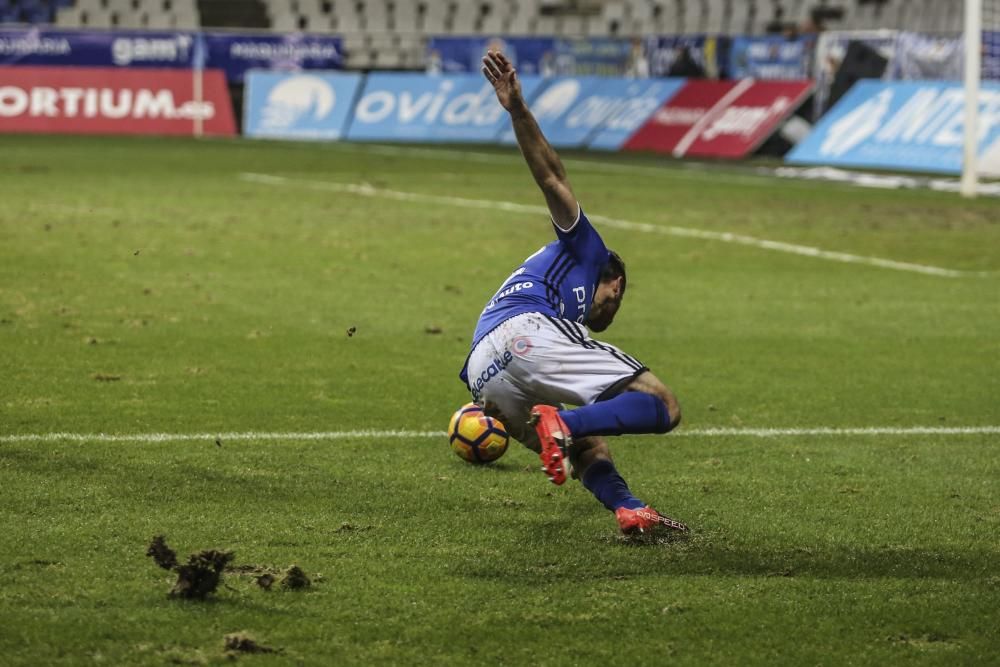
x: 371, y: 434
x: 367, y: 190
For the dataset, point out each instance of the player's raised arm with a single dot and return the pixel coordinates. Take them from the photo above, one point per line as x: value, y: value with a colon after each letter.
x: 543, y: 161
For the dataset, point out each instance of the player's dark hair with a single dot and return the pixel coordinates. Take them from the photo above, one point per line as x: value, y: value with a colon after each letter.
x: 614, y: 268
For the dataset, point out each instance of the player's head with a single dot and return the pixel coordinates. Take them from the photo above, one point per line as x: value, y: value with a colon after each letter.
x: 609, y: 294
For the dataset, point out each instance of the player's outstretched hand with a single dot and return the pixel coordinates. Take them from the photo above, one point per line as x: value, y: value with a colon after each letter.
x: 501, y: 73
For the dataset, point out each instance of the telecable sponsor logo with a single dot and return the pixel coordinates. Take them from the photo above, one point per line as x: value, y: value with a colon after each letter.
x: 496, y: 366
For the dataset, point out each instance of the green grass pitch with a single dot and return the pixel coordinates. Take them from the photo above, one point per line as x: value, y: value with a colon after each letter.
x: 145, y: 287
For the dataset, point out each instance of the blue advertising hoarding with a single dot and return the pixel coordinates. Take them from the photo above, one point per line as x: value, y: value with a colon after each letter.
x: 419, y: 107
x: 463, y: 55
x: 913, y: 126
x: 599, y: 112
x: 238, y: 52
x: 770, y: 57
x: 554, y: 99
x: 298, y: 105
x: 233, y: 52
x: 576, y: 112
x: 544, y: 56
x: 631, y: 104
x: 664, y: 51
x: 991, y: 55
x: 97, y: 48
x: 600, y: 56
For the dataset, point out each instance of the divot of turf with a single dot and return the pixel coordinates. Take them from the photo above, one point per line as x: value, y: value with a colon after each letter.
x: 161, y: 554
x: 656, y: 538
x: 202, y: 574
x: 199, y: 577
x: 250, y: 568
x: 930, y: 640
x: 240, y: 642
x: 295, y: 578
x: 347, y: 527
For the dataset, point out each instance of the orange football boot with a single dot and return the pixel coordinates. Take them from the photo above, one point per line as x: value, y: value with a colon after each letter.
x: 644, y: 520
x: 555, y: 439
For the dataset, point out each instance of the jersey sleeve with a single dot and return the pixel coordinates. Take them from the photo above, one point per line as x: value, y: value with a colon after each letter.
x: 583, y: 242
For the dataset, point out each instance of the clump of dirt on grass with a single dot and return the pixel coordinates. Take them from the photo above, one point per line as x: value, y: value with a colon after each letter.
x: 241, y: 642
x: 295, y: 578
x: 199, y: 577
x: 161, y: 554
x: 202, y: 574
x: 250, y: 569
x: 263, y: 575
x: 349, y: 527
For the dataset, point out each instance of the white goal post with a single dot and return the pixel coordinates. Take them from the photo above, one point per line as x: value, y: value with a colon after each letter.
x: 982, y: 94
x: 973, y: 73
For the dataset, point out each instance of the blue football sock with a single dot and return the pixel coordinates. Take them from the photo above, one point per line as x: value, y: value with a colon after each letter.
x: 631, y: 412
x: 603, y: 480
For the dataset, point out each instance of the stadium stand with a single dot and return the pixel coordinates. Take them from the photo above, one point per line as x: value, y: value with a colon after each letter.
x: 153, y: 14
x: 392, y: 32
x: 233, y: 14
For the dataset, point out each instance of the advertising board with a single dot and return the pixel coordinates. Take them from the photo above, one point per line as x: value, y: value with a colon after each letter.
x: 913, y: 126
x: 719, y: 119
x: 102, y: 100
x: 298, y: 105
x: 418, y: 107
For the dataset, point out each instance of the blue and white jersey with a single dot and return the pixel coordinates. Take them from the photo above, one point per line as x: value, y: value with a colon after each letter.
x: 559, y: 280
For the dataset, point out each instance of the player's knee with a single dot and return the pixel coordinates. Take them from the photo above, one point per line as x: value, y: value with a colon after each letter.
x: 671, y: 409
x: 650, y: 384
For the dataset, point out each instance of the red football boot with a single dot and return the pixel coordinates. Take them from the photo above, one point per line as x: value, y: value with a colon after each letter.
x: 555, y: 439
x: 644, y: 520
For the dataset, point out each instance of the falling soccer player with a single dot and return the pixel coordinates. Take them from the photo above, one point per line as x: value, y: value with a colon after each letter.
x: 531, y: 350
